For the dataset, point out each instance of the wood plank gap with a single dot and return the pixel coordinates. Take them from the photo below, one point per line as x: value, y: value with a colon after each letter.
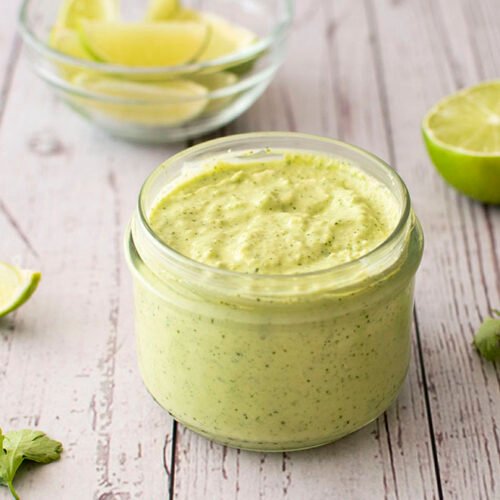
x: 489, y: 224
x: 173, y: 453
x: 444, y: 35
x: 17, y: 228
x: 12, y: 61
x: 107, y: 361
x: 333, y: 65
x: 391, y: 456
x: 468, y: 15
x: 428, y: 406
x: 384, y: 102
x: 376, y: 51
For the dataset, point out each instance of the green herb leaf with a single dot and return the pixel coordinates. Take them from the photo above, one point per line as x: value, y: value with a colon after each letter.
x: 17, y: 446
x: 487, y: 339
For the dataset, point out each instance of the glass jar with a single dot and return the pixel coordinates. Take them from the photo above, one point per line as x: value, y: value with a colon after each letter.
x: 273, y: 362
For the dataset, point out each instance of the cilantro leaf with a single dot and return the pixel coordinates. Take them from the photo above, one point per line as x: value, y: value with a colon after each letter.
x: 17, y: 446
x: 487, y: 339
x: 33, y: 445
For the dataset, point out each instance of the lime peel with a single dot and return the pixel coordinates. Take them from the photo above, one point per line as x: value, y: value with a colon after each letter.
x: 462, y: 136
x: 16, y: 287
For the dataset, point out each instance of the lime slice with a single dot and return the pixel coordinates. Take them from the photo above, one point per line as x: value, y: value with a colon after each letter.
x: 72, y: 12
x: 16, y: 287
x: 162, y: 10
x: 462, y: 135
x: 225, y: 38
x: 165, y: 43
x: 167, y: 103
x: 68, y: 42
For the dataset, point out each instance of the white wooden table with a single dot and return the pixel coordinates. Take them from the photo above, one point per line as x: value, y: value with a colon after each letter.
x: 361, y: 71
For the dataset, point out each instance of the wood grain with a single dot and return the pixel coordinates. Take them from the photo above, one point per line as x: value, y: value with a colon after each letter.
x: 68, y: 357
x: 364, y: 71
x: 399, y: 442
x: 459, y: 265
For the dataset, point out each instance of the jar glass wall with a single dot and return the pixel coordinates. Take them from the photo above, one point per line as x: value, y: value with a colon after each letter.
x: 273, y: 362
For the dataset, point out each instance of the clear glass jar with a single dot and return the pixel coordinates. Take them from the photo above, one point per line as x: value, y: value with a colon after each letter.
x: 273, y: 362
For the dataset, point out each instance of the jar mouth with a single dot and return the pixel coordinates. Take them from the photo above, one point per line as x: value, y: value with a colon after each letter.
x: 284, y: 140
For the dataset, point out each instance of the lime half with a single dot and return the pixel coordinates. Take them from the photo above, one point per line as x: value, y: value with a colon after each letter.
x: 166, y: 43
x: 16, y: 287
x: 72, y: 12
x: 462, y: 135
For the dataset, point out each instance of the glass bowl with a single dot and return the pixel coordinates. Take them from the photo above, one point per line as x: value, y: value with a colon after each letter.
x: 130, y: 102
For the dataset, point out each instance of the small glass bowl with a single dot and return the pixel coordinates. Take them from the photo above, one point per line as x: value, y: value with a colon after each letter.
x: 218, y: 90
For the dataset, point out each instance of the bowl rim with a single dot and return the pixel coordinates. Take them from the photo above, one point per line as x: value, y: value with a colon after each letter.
x: 278, y: 32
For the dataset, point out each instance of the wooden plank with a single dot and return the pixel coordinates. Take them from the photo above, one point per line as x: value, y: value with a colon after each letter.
x: 67, y: 361
x: 338, y: 95
x: 9, y: 47
x: 460, y: 266
x: 67, y: 357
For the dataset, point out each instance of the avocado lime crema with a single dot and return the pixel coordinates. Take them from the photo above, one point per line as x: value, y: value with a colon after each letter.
x: 270, y: 314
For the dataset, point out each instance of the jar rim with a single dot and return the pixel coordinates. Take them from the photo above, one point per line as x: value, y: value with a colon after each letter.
x: 194, y: 268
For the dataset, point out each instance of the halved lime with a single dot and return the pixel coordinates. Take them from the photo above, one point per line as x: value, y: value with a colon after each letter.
x: 72, y: 12
x: 165, y: 43
x: 162, y: 10
x: 167, y: 103
x: 16, y: 287
x: 225, y: 38
x: 462, y: 135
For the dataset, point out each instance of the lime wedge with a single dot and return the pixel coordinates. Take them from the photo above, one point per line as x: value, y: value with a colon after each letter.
x: 16, y: 287
x: 162, y: 10
x: 72, y: 12
x: 165, y: 43
x: 68, y: 42
x: 214, y: 82
x: 226, y: 38
x: 462, y: 135
x: 167, y: 103
x: 187, y: 15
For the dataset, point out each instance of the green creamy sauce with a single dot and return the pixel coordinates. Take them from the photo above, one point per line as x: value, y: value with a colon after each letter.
x: 295, y: 214
x: 283, y: 373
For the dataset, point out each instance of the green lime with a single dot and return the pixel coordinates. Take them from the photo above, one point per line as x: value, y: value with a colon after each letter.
x: 462, y: 135
x: 16, y: 287
x: 166, y: 43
